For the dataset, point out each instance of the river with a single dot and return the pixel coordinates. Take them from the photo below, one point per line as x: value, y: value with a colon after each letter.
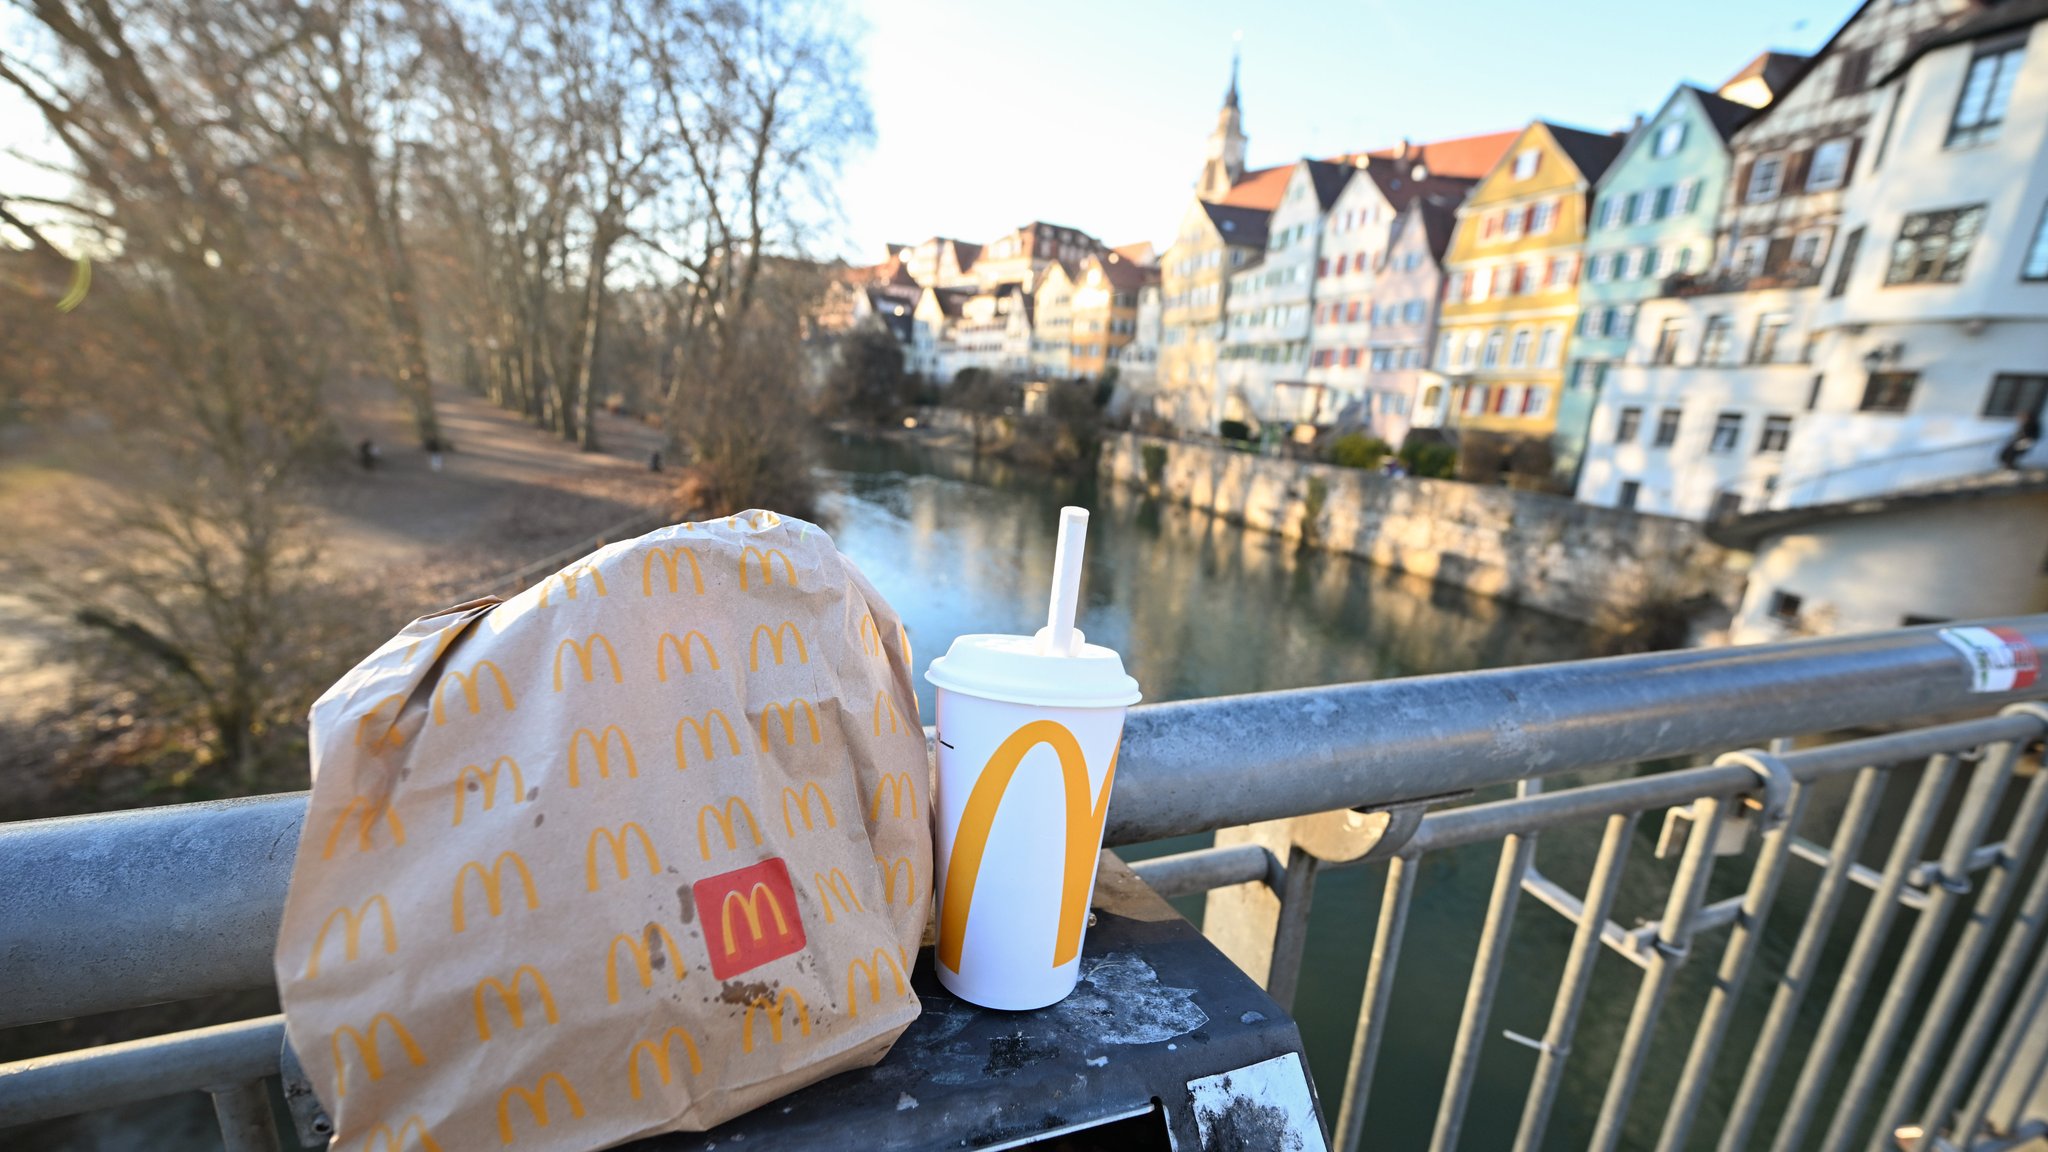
x: 1200, y: 607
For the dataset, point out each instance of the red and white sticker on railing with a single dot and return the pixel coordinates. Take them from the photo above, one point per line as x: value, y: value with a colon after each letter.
x: 2000, y: 659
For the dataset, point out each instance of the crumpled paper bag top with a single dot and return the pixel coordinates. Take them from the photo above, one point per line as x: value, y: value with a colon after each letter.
x: 636, y: 850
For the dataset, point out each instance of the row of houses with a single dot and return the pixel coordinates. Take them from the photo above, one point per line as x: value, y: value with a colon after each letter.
x: 1809, y: 302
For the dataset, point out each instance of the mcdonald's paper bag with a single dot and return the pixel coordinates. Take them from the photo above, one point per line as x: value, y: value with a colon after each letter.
x: 637, y: 850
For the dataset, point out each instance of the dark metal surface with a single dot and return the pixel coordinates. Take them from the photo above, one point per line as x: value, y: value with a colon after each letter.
x: 1157, y: 1006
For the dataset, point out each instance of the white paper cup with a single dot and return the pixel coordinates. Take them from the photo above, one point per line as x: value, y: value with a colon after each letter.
x: 1027, y: 747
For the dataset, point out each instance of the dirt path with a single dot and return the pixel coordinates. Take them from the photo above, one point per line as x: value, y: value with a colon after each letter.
x: 507, y: 494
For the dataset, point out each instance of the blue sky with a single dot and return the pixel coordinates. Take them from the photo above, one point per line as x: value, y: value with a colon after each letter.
x: 1093, y: 114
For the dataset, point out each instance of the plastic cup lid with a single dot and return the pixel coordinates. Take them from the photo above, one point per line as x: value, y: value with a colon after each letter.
x: 1017, y: 670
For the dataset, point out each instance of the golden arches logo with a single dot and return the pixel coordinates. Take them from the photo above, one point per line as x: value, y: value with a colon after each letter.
x: 775, y: 647
x: 515, y: 1008
x: 901, y: 786
x: 617, y: 843
x: 600, y: 751
x: 475, y: 779
x: 703, y: 731
x: 493, y: 881
x: 758, y: 519
x: 386, y: 1140
x: 670, y: 559
x: 727, y: 824
x: 872, y: 969
x: 471, y: 683
x: 366, y: 1049
x: 1083, y: 833
x: 352, y: 931
x: 803, y: 805
x: 642, y: 950
x: 681, y: 647
x: 390, y: 737
x: 890, y: 869
x: 663, y: 1061
x: 870, y: 635
x: 884, y: 707
x: 786, y: 716
x: 767, y: 570
x: 568, y: 576
x: 786, y: 998
x: 536, y: 1100
x: 750, y: 910
x: 586, y: 657
x: 903, y: 638
x: 366, y: 811
x: 835, y: 884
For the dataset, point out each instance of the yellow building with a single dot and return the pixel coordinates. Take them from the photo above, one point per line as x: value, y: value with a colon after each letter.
x: 1510, y: 295
x: 1104, y: 313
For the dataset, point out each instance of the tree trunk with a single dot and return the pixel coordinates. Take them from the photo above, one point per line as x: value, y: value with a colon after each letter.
x: 591, y: 338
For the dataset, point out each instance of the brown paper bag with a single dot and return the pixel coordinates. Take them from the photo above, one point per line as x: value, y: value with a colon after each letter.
x: 640, y: 849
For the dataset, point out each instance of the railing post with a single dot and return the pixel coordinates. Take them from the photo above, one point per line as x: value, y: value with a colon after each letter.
x: 1674, y: 940
x: 247, y: 1123
x: 1378, y: 995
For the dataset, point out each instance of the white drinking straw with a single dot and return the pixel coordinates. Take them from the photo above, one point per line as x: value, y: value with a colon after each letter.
x: 1066, y: 580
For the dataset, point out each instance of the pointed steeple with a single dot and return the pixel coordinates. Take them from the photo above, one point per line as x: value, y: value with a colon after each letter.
x: 1223, y: 164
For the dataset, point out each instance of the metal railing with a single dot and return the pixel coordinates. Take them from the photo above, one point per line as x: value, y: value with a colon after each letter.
x: 197, y: 890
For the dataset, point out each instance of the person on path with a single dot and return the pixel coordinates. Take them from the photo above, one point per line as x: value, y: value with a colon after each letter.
x: 2023, y: 440
x: 366, y: 454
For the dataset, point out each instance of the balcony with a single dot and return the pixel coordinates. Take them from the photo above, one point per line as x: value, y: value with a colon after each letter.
x: 1687, y: 284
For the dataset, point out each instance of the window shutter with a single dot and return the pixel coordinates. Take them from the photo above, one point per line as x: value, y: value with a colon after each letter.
x: 1794, y: 180
x: 1742, y: 181
x: 1775, y: 255
x: 1849, y: 164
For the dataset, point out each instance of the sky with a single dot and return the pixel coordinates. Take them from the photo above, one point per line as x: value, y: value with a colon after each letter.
x: 1093, y: 114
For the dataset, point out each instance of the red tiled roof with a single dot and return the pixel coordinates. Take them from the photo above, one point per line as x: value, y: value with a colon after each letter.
x: 1260, y: 189
x: 1461, y: 157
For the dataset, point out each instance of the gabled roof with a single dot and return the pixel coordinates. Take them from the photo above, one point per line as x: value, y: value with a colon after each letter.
x: 1240, y: 226
x: 1328, y: 179
x: 1124, y: 273
x: 1396, y: 181
x: 1589, y: 152
x: 2003, y: 17
x: 1439, y: 218
x: 893, y: 311
x: 1260, y: 189
x: 965, y: 254
x: 1140, y: 252
x: 1726, y: 115
x: 1776, y: 69
x: 949, y: 300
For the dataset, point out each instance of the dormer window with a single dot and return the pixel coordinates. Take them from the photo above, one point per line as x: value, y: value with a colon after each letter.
x: 1526, y: 161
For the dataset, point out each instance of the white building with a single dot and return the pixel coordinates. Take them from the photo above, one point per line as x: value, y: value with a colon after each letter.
x: 1735, y: 378
x: 1263, y: 359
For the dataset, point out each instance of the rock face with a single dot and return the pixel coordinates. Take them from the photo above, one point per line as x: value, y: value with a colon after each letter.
x: 1599, y: 565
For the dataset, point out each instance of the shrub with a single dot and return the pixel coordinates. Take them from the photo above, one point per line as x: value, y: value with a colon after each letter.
x: 1358, y: 450
x: 1430, y: 459
x: 1155, y: 462
x: 1234, y: 430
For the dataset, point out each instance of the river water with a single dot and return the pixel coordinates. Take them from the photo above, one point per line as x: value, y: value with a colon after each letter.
x: 1200, y: 607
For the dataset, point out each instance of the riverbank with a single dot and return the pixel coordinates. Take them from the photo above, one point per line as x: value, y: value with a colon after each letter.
x: 1602, y: 566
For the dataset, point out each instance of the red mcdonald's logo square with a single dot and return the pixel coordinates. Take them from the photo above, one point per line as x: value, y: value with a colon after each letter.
x: 750, y: 917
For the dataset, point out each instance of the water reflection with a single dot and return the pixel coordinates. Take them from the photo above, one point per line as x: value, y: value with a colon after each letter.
x: 1197, y: 606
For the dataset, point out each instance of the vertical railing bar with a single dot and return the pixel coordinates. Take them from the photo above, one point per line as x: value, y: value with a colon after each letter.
x: 1956, y: 979
x: 1373, y: 1006
x: 1743, y: 940
x: 1973, y: 818
x: 1833, y: 1032
x: 1578, y: 978
x: 1862, y: 806
x: 2026, y: 1014
x: 2006, y: 971
x: 247, y: 1123
x: 1688, y: 889
x: 1486, y: 965
x: 1290, y: 930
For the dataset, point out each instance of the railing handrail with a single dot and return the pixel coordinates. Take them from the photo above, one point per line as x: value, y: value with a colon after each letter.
x: 197, y: 890
x: 1786, y: 483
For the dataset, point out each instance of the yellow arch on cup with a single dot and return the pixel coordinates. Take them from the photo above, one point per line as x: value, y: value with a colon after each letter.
x: 1083, y: 836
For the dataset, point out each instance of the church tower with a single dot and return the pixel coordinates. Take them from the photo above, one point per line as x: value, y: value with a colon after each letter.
x: 1224, y: 164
